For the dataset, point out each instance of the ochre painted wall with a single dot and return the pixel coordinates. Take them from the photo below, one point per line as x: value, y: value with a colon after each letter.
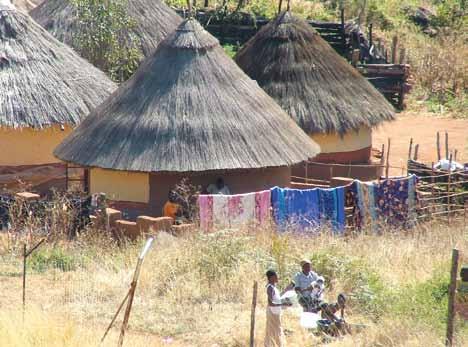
x: 349, y: 142
x: 27, y: 146
x: 120, y: 185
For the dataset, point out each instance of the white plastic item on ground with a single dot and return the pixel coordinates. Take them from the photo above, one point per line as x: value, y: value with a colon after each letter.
x: 290, y: 294
x: 309, y: 320
x: 444, y: 164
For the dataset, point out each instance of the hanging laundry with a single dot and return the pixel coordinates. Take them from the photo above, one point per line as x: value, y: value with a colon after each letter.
x: 233, y: 210
x: 391, y: 201
x: 205, y: 208
x: 308, y: 209
x: 332, y: 203
x: 395, y: 200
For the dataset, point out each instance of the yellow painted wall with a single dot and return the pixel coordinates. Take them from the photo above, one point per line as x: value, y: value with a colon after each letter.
x: 351, y: 141
x: 120, y: 185
x: 27, y: 146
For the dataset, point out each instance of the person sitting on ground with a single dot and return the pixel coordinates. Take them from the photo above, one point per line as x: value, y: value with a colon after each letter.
x: 309, y: 287
x: 335, y: 325
x: 219, y: 188
x: 172, y: 208
x: 274, y: 336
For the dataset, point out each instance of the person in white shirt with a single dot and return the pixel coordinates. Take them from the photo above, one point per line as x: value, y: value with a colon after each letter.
x: 219, y: 188
x: 309, y: 287
x: 274, y: 336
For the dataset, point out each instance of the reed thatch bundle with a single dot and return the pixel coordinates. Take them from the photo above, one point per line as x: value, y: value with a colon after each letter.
x: 42, y: 81
x: 188, y: 108
x: 154, y: 21
x: 319, y: 89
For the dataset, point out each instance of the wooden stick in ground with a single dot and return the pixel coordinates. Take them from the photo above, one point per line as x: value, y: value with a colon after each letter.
x: 438, y: 147
x: 24, y: 276
x: 394, y: 49
x: 382, y: 158
x: 387, y: 169
x: 131, y: 294
x: 446, y: 146
x: 449, y: 186
x: 455, y: 153
x: 451, y: 298
x: 432, y: 185
x: 416, y: 149
x: 410, y: 150
x: 115, y: 316
x: 252, y: 314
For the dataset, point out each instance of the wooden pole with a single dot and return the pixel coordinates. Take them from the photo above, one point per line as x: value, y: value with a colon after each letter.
x: 370, y: 35
x: 382, y: 158
x: 455, y: 153
x: 131, y: 292
x: 410, y: 150
x: 355, y: 57
x: 115, y: 316
x: 402, y: 55
x: 451, y: 298
x: 343, y: 31
x: 416, y: 150
x: 438, y: 147
x: 394, y: 49
x: 449, y: 189
x: 446, y: 145
x: 252, y: 314
x: 25, y: 256
x: 432, y: 186
x: 387, y: 169
x: 280, y: 5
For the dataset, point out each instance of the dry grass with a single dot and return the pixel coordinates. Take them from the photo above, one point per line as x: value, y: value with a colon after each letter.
x: 196, y: 290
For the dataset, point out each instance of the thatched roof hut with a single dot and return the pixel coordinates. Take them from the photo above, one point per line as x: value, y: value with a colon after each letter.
x: 154, y: 21
x: 46, y: 89
x: 189, y: 110
x: 319, y: 89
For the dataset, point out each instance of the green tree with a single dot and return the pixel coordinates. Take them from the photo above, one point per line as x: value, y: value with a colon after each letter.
x: 105, y: 37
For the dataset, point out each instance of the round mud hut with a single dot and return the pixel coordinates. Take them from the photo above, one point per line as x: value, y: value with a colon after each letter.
x: 45, y: 90
x: 188, y: 112
x: 320, y: 90
x: 153, y: 18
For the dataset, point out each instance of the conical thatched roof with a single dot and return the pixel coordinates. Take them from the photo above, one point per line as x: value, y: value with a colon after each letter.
x: 319, y: 89
x: 42, y: 81
x: 154, y: 21
x: 189, y: 107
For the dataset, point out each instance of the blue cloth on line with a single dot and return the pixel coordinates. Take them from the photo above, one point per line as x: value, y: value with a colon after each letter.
x: 307, y: 209
x: 332, y: 207
x: 295, y: 208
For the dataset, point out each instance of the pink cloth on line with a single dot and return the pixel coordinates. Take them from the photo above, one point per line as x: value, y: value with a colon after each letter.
x: 262, y: 206
x: 205, y: 206
x: 234, y: 210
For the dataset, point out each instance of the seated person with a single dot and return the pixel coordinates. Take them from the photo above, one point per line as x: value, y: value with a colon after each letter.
x: 172, y: 208
x: 218, y: 188
x: 309, y: 287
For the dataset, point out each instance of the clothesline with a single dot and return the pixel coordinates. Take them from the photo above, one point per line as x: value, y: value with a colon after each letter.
x: 392, y: 200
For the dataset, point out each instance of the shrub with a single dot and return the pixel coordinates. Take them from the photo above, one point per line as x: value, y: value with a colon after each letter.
x: 43, y: 260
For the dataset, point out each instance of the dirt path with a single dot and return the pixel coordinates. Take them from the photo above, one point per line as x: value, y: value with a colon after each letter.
x: 423, y: 129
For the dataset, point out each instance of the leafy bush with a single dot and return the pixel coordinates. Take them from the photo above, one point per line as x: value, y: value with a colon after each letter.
x: 362, y: 284
x: 43, y: 260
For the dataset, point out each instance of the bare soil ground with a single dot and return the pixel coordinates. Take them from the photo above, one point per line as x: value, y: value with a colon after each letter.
x: 423, y: 129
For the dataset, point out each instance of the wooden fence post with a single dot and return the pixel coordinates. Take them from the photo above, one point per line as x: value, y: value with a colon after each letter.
x: 449, y: 189
x: 387, y: 169
x: 451, y: 298
x: 446, y: 146
x: 438, y: 147
x: 416, y: 150
x: 410, y: 150
x: 252, y: 314
x: 394, y: 49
